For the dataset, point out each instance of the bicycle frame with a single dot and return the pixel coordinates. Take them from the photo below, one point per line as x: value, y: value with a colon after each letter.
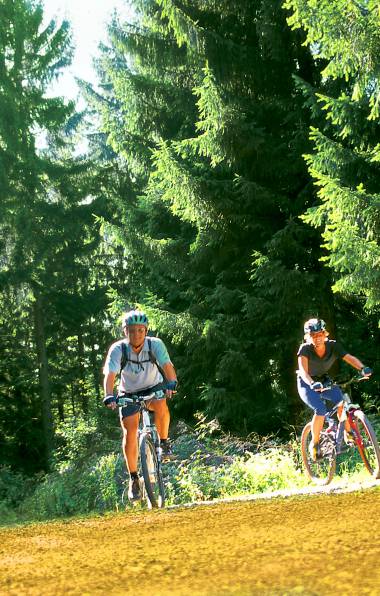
x: 348, y: 413
x: 148, y: 427
x: 146, y: 424
x: 150, y: 452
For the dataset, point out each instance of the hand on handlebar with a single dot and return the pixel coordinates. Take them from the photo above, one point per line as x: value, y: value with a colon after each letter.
x: 366, y: 372
x: 170, y: 389
x: 169, y: 394
x: 110, y: 402
x: 317, y: 386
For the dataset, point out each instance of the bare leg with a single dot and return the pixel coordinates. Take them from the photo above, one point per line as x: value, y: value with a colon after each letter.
x: 346, y: 423
x: 316, y: 427
x: 130, y: 426
x: 161, y: 417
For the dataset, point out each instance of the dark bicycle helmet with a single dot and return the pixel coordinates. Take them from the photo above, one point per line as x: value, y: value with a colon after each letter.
x: 135, y: 317
x: 314, y: 325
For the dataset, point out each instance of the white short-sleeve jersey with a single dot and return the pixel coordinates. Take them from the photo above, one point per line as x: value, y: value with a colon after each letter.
x: 138, y: 373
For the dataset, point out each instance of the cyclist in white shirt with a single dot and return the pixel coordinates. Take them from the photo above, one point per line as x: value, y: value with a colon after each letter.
x: 138, y: 363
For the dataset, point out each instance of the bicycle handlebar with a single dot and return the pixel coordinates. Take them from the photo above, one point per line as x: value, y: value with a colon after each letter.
x: 140, y: 396
x: 123, y: 400
x: 144, y: 395
x: 329, y: 383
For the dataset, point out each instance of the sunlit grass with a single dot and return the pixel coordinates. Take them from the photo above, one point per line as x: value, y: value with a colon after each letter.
x: 210, y: 465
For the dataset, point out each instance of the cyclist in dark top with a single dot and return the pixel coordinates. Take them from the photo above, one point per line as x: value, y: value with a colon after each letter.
x: 315, y: 358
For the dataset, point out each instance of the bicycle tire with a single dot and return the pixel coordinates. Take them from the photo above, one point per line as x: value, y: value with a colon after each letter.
x: 367, y: 445
x: 321, y: 471
x: 151, y: 472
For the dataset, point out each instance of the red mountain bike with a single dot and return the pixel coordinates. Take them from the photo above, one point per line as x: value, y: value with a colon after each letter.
x: 332, y: 443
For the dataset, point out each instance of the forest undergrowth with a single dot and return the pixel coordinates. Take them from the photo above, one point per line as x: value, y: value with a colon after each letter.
x: 88, y: 473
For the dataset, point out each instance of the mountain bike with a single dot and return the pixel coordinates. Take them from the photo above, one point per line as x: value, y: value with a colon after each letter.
x: 362, y: 439
x: 150, y: 452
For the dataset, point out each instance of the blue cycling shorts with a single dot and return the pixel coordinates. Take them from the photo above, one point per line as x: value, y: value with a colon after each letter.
x: 314, y: 399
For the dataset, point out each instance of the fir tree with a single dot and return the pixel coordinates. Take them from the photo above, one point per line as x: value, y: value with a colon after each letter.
x: 51, y: 272
x: 211, y: 222
x: 345, y: 162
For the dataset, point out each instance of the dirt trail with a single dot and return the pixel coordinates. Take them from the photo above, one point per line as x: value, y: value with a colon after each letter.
x: 317, y: 545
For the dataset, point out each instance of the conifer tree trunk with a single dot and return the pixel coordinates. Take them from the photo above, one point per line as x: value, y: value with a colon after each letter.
x: 81, y: 383
x: 73, y: 399
x: 61, y: 408
x: 289, y: 382
x: 95, y: 372
x: 43, y: 374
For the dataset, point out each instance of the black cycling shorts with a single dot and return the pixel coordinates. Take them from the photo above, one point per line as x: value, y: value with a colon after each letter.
x: 132, y: 409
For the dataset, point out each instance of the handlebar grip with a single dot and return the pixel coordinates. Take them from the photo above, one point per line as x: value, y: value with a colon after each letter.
x: 109, y: 399
x: 317, y: 386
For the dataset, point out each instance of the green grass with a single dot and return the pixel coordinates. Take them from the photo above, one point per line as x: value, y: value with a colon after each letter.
x: 210, y: 465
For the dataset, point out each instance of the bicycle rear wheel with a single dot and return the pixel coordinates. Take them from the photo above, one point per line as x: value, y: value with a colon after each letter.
x: 366, y: 443
x: 151, y: 471
x: 320, y: 471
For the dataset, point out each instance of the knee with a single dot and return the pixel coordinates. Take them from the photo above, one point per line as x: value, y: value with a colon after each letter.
x: 130, y: 431
x: 161, y: 407
x: 130, y: 438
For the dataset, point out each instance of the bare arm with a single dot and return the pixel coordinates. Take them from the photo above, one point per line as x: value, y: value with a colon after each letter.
x: 169, y: 371
x: 303, y: 369
x: 170, y: 375
x: 353, y: 361
x: 109, y: 382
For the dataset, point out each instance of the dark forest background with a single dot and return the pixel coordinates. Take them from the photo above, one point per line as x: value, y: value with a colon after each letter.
x: 225, y: 176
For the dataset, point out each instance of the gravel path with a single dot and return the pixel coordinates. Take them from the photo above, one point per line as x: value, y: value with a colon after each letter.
x: 313, y: 545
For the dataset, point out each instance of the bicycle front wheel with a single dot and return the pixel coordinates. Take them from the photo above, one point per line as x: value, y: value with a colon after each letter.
x: 366, y: 443
x: 321, y: 471
x: 151, y: 471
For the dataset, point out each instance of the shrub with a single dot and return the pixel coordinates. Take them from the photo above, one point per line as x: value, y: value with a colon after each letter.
x: 90, y: 473
x: 80, y: 439
x: 77, y: 490
x: 268, y: 470
x: 14, y: 486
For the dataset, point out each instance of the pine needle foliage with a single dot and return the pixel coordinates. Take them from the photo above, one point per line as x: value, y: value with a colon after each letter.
x: 345, y: 36
x: 52, y: 276
x: 202, y: 112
